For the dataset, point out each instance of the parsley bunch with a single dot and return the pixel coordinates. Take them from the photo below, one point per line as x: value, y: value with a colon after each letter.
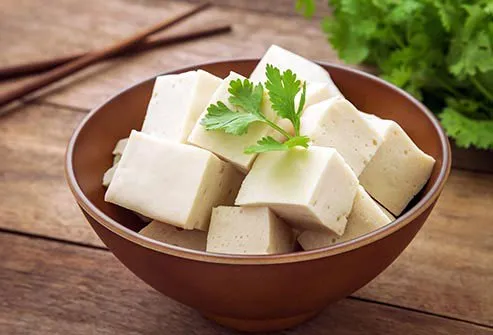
x: 246, y: 99
x: 441, y: 51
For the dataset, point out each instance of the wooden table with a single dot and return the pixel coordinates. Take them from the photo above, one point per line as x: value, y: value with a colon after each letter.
x: 56, y: 277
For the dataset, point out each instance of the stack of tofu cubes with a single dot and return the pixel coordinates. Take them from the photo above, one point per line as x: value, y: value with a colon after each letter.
x: 202, y: 191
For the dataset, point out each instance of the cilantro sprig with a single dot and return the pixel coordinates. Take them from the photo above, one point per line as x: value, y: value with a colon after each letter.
x: 439, y: 51
x: 246, y: 99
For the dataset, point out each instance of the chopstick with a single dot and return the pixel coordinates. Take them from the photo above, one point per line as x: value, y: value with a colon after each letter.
x: 91, y: 58
x: 150, y: 43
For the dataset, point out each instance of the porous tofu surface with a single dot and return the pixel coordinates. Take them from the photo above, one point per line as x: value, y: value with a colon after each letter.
x: 309, y: 188
x: 190, y: 239
x: 252, y: 231
x: 172, y: 182
x: 177, y: 102
x: 283, y: 59
x: 398, y: 170
x: 338, y: 124
x: 366, y: 216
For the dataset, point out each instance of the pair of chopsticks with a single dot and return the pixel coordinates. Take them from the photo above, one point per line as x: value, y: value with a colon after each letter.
x: 61, y: 67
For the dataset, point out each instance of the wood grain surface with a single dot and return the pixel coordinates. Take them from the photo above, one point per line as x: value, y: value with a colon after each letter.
x: 54, y: 32
x: 55, y: 288
x: 53, y: 278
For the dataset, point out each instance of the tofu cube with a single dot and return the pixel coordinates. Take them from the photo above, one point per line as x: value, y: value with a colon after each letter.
x: 108, y: 175
x: 190, y: 239
x: 250, y: 231
x: 117, y: 153
x: 283, y: 59
x: 338, y: 124
x: 315, y: 93
x: 177, y: 102
x: 172, y: 182
x: 227, y: 146
x: 310, y: 188
x: 366, y: 216
x: 120, y: 147
x: 398, y: 170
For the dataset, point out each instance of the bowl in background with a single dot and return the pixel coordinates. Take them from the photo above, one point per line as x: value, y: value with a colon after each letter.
x: 253, y: 293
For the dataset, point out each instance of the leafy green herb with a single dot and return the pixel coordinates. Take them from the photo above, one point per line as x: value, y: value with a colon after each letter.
x: 441, y: 51
x: 246, y: 99
x: 221, y: 117
x: 268, y: 143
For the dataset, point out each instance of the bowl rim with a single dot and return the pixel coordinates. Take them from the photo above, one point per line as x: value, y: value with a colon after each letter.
x: 301, y: 256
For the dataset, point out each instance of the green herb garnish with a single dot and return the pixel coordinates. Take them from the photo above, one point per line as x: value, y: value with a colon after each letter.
x: 246, y: 98
x: 439, y: 51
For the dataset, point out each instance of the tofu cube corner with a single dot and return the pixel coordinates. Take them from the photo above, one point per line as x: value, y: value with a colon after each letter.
x: 177, y: 101
x: 311, y: 189
x: 172, y: 182
x: 283, y: 59
x: 163, y: 232
x: 338, y: 124
x: 251, y: 231
x: 366, y: 216
x: 398, y: 170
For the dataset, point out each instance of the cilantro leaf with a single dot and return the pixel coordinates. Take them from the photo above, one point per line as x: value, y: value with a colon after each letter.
x: 265, y: 144
x: 268, y: 143
x: 283, y: 89
x: 467, y: 131
x: 437, y: 50
x: 220, y: 117
x: 246, y: 96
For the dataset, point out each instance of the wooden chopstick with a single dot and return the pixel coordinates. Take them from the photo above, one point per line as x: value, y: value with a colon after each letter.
x: 150, y: 43
x: 93, y: 57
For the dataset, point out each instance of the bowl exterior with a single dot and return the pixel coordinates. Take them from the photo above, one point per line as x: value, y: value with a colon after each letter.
x: 259, y: 297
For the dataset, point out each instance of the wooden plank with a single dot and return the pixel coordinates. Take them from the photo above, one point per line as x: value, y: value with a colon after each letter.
x: 35, y: 196
x: 446, y: 270
x: 450, y: 261
x: 55, y: 288
x: 57, y: 32
x: 280, y: 7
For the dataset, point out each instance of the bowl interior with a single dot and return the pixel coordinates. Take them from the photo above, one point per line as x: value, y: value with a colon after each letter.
x: 95, y: 139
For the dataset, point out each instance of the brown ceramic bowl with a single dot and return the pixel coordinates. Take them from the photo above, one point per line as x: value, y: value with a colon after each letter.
x: 252, y: 293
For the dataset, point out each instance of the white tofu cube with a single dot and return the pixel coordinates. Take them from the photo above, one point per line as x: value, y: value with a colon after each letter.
x: 108, y: 175
x: 172, y: 182
x: 310, y: 188
x: 120, y: 147
x: 365, y: 217
x: 190, y: 239
x: 177, y: 102
x: 315, y: 93
x: 338, y: 124
x: 398, y: 170
x: 318, y: 92
x: 117, y: 153
x: 227, y: 146
x: 283, y: 59
x: 250, y: 231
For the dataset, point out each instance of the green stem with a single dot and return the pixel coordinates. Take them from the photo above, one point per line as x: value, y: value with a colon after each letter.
x: 396, y: 38
x: 481, y: 88
x: 276, y: 127
x: 296, y: 126
x: 448, y: 87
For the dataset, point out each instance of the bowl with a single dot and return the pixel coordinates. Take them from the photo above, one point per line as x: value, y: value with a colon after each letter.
x: 252, y: 293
